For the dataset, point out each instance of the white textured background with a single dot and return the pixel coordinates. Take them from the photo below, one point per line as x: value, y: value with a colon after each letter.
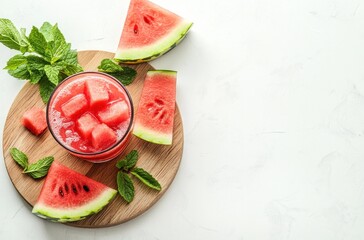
x: 272, y: 99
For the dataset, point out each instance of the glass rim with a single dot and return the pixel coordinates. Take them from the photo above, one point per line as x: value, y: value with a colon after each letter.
x: 112, y: 146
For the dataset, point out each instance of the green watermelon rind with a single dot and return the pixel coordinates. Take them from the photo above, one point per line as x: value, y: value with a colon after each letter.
x: 152, y: 136
x: 162, y: 71
x: 77, y: 213
x: 155, y: 50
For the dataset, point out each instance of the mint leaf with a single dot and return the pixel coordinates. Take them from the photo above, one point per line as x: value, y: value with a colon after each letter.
x: 46, y: 30
x: 21, y: 72
x: 121, y: 164
x: 36, y: 62
x: 128, y: 162
x: 36, y: 68
x: 28, y: 67
x: 16, y: 61
x: 23, y: 36
x: 36, y: 76
x: 40, y: 168
x: 69, y: 63
x: 126, y: 77
x: 9, y: 35
x: 25, y: 47
x: 146, y: 178
x: 52, y: 74
x: 19, y: 157
x: 72, y: 69
x: 38, y: 41
x: 131, y: 159
x: 109, y: 66
x: 58, y: 47
x: 125, y: 186
x: 45, y: 88
x: 70, y: 57
x: 67, y: 68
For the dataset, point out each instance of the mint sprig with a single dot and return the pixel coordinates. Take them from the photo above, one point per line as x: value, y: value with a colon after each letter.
x: 125, y: 183
x: 45, y: 57
x: 125, y: 75
x: 36, y: 170
x: 40, y: 168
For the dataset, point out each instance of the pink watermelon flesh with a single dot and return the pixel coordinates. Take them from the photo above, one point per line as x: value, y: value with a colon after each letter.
x: 86, y: 123
x: 114, y: 114
x: 97, y: 93
x: 146, y: 22
x: 67, y: 195
x: 75, y: 106
x: 155, y: 115
x: 149, y: 31
x: 34, y: 120
x: 102, y: 137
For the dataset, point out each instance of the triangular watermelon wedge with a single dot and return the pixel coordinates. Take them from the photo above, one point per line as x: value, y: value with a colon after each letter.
x: 68, y: 196
x: 149, y: 32
x: 155, y: 116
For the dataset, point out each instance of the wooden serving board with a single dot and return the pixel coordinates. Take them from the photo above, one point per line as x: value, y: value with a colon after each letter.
x: 161, y: 161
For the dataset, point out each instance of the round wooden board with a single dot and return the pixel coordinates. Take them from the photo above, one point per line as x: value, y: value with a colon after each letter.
x: 161, y: 161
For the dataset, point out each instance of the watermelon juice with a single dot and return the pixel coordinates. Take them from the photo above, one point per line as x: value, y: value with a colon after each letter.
x: 91, y: 114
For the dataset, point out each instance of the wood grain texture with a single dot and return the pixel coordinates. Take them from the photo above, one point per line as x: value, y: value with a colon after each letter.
x: 161, y: 161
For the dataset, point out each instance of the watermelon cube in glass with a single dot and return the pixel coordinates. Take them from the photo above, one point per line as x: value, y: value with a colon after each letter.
x: 114, y: 113
x: 86, y: 123
x: 97, y: 92
x: 102, y: 135
x: 75, y: 106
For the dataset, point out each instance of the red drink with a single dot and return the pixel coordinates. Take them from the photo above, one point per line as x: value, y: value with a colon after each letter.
x: 91, y: 115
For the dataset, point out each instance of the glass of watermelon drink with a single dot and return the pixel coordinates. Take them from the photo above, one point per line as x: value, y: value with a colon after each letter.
x: 91, y: 114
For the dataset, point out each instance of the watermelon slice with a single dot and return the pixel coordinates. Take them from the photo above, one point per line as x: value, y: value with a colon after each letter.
x: 149, y: 32
x: 34, y: 120
x: 155, y: 115
x: 68, y: 196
